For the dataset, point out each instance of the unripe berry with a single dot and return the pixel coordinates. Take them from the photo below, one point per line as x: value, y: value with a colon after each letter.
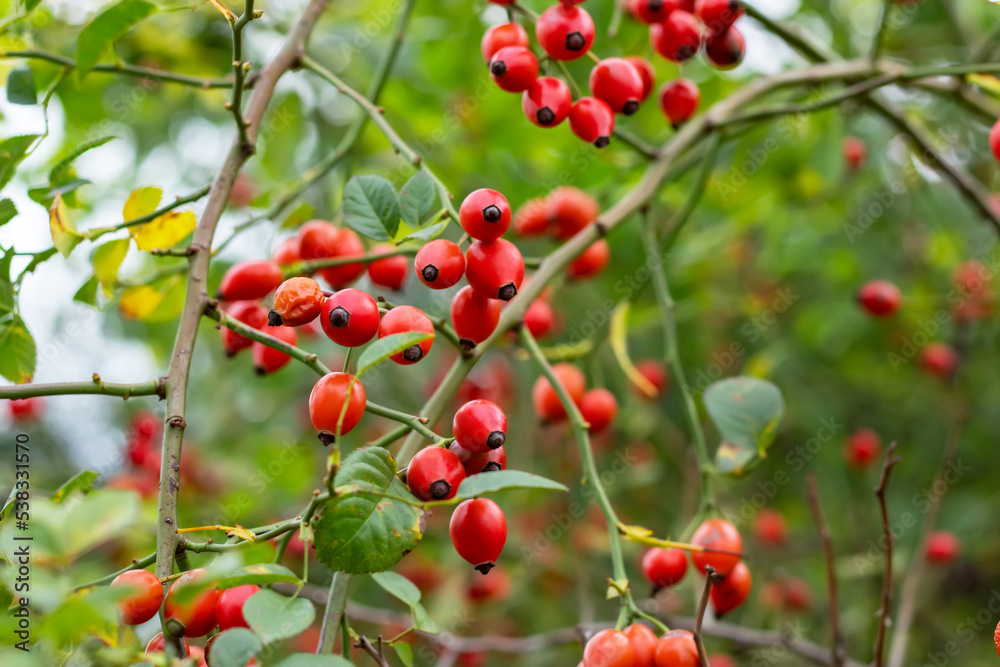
x: 473, y: 316
x: 664, y: 567
x: 144, y: 597
x: 489, y: 461
x: 862, y: 448
x: 326, y: 404
x: 251, y: 280
x: 643, y: 642
x: 250, y: 313
x: 514, y: 68
x: 565, y: 33
x: 654, y: 11
x: 498, y: 36
x: 547, y: 102
x: 495, y: 269
x: 609, y: 648
x: 617, y: 82
x: 440, y: 264
x: 196, y: 614
x: 388, y: 272
x: 732, y: 591
x: 718, y: 15
x: 770, y: 527
x: 599, y: 408
x: 350, y: 317
x: 532, y: 219
x: 726, y: 50
x: 298, y: 301
x: 646, y: 73
x: 855, y: 153
x: 480, y: 426
x: 402, y: 319
x: 539, y: 318
x: 590, y: 262
x: 570, y: 210
x: 721, y: 535
x: 230, y: 608
x: 677, y: 648
x: 678, y: 38
x: 679, y: 100
x: 478, y: 531
x: 546, y: 401
x: 592, y: 120
x: 484, y: 215
x: 879, y: 298
x: 267, y: 360
x: 939, y: 359
x: 434, y: 473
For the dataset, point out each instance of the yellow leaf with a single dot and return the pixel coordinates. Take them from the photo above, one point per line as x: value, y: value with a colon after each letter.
x: 619, y: 344
x: 242, y: 533
x: 637, y: 531
x: 225, y: 11
x: 141, y: 202
x: 63, y: 229
x: 137, y: 302
x: 164, y: 231
x: 107, y: 260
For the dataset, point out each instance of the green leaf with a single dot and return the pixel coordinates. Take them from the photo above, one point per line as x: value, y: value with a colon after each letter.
x: 746, y: 412
x: 398, y: 586
x: 21, y: 86
x: 365, y: 532
x: 30, y: 4
x: 82, y: 482
x: 63, y: 229
x: 62, y: 170
x: 425, y: 234
x: 17, y: 351
x: 12, y: 151
x: 6, y: 286
x: 88, y: 292
x: 7, y: 211
x: 416, y: 198
x: 386, y: 347
x: 503, y: 480
x: 98, y: 35
x: 235, y: 648
x: 371, y: 207
x: 260, y: 574
x: 107, y: 259
x: 404, y: 652
x: 311, y: 660
x: 98, y: 517
x: 273, y: 616
x: 422, y: 620
x: 45, y: 194
x: 302, y: 213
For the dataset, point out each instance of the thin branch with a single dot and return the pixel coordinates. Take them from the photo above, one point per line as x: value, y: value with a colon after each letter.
x: 706, y: 593
x: 123, y: 68
x: 95, y: 386
x: 375, y: 653
x: 311, y: 266
x: 240, y: 70
x: 881, y: 28
x: 96, y: 232
x: 334, y: 611
x: 838, y: 652
x: 883, y: 483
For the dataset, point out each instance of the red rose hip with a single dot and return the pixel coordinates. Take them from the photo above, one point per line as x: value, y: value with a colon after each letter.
x: 617, y: 82
x: 547, y: 102
x: 495, y: 269
x: 326, y: 404
x: 514, y: 68
x: 484, y: 215
x: 403, y: 319
x: 350, y: 317
x: 679, y: 100
x: 480, y: 426
x: 498, y: 36
x: 441, y: 264
x: 592, y: 120
x: 478, y: 531
x: 565, y: 33
x: 473, y: 316
x: 144, y: 597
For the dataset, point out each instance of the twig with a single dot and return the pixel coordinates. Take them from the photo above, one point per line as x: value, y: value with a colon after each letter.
x: 130, y: 70
x: 375, y: 653
x: 881, y: 28
x: 706, y: 592
x: 95, y: 386
x: 883, y: 483
x: 837, y: 648
x: 96, y: 232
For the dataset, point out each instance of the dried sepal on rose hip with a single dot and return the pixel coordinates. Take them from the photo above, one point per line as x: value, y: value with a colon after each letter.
x: 298, y: 301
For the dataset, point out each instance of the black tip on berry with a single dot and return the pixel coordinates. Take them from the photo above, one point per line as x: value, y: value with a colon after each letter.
x: 492, y: 213
x: 735, y: 5
x: 601, y: 142
x: 655, y: 5
x: 492, y: 466
x: 339, y: 317
x: 499, y: 68
x: 630, y: 107
x: 429, y: 273
x: 507, y: 292
x: 545, y: 116
x: 485, y: 567
x: 495, y: 439
x: 685, y: 52
x: 259, y: 370
x: 439, y: 489
x: 327, y: 438
x: 575, y: 41
x: 274, y: 319
x: 467, y: 344
x: 413, y: 353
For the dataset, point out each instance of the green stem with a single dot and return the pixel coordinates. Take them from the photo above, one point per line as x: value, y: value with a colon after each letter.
x: 96, y: 232
x: 335, y: 603
x: 95, y: 386
x: 122, y: 68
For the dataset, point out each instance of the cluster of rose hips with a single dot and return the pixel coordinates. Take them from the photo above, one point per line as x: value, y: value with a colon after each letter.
x: 196, y: 614
x: 565, y: 32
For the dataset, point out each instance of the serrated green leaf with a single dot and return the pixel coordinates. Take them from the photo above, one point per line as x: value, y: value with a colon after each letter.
x: 21, y: 86
x: 12, y: 151
x: 398, y: 586
x: 404, y: 652
x: 746, y: 411
x: 273, y: 616
x: 235, y: 648
x: 371, y: 207
x: 504, y: 480
x: 365, y: 532
x: 88, y: 292
x: 260, y: 574
x: 386, y: 347
x: 416, y: 198
x: 311, y: 660
x: 98, y: 35
x: 17, y: 351
x: 426, y: 234
x: 82, y: 482
x: 62, y: 170
x: 7, y: 211
x: 108, y: 258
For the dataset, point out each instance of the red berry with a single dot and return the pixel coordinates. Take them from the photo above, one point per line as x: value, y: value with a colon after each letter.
x: 498, y: 36
x: 617, y: 82
x: 592, y: 120
x: 532, y: 219
x: 434, y: 474
x: 732, y: 591
x: 247, y: 281
x: 25, y: 410
x: 267, y: 360
x: 289, y: 252
x: 646, y: 73
x: 643, y: 642
x: 144, y: 597
x: 441, y: 264
x: 484, y: 215
x: 995, y: 140
x: 679, y: 100
x: 570, y: 210
x: 495, y: 269
x: 599, y: 408
x: 250, y: 313
x: 718, y: 15
x: 677, y: 648
x: 770, y: 527
x: 863, y: 448
x: 539, y: 318
x: 298, y: 301
x: 678, y: 38
x: 609, y: 648
x: 318, y: 240
x: 590, y: 262
x: 494, y: 587
x: 546, y: 401
x: 473, y: 316
x: 389, y: 272
x: 196, y: 614
x: 655, y: 373
x: 230, y: 608
x: 480, y: 426
x: 514, y: 68
x: 726, y: 50
x: 403, y: 319
x: 489, y: 461
x: 798, y: 597
x: 350, y: 317
x: 664, y: 567
x: 565, y: 33
x: 478, y: 530
x: 547, y: 102
x: 939, y: 359
x: 996, y: 638
x: 158, y: 645
x: 720, y: 660
x: 348, y: 245
x: 855, y: 153
x: 326, y: 402
x: 654, y: 11
x: 879, y: 298
x: 721, y: 535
